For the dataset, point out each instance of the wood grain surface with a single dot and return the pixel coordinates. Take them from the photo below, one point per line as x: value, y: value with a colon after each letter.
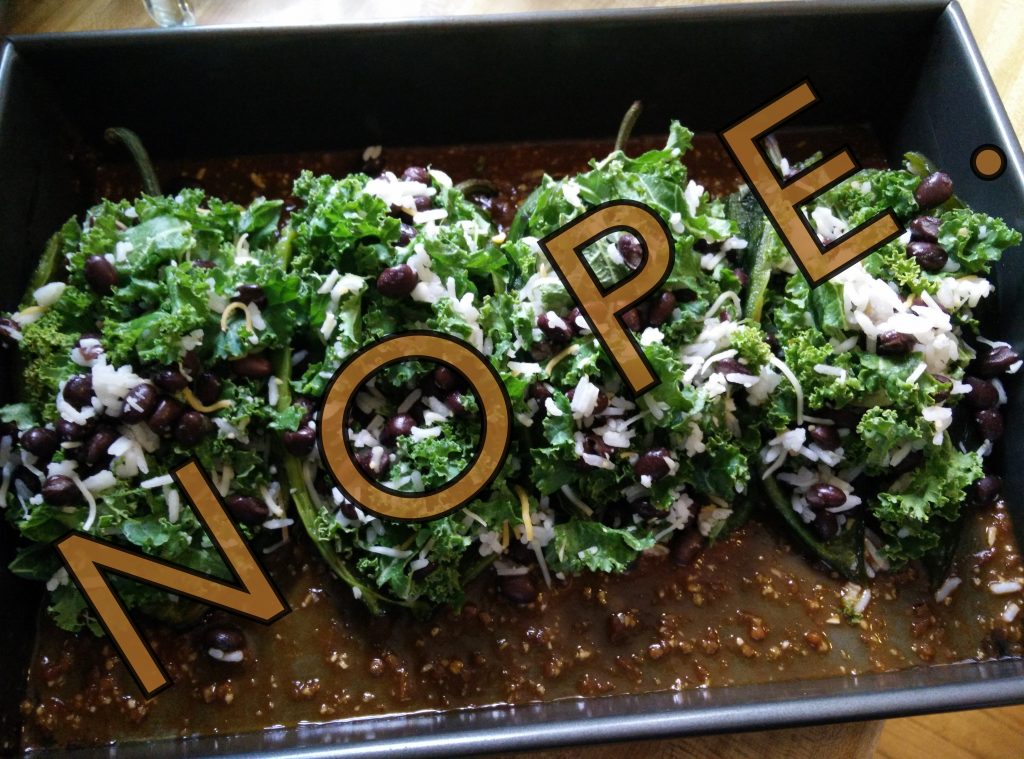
x: 998, y: 26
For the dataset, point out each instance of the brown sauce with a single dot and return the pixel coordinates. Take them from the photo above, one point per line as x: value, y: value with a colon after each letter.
x: 749, y: 609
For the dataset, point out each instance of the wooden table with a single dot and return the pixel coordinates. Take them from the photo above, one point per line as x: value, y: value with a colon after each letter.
x: 998, y: 26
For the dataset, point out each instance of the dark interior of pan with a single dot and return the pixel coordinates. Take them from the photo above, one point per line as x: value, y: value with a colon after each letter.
x: 909, y: 70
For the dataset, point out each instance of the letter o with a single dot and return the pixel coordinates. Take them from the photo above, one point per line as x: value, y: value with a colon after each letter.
x: 495, y: 409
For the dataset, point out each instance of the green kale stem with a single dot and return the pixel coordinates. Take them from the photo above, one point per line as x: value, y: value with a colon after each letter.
x: 754, y: 227
x: 128, y: 138
x: 477, y: 186
x: 760, y: 273
x: 627, y: 124
x: 46, y: 270
x: 304, y: 506
x: 844, y: 553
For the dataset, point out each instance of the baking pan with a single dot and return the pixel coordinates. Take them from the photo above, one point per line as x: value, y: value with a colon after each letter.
x: 909, y: 70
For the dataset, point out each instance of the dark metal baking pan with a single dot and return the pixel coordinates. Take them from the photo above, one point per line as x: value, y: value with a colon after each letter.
x: 909, y: 70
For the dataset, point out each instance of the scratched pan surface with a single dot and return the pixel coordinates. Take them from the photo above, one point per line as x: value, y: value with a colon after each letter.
x: 910, y: 71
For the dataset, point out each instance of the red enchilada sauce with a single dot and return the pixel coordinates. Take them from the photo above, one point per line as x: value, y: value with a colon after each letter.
x: 751, y: 608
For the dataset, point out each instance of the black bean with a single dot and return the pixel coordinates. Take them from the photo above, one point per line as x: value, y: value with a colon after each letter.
x: 397, y: 281
x: 518, y: 588
x: 652, y: 463
x: 246, y: 509
x: 825, y: 436
x: 646, y: 510
x: 539, y: 391
x: 732, y: 366
x: 416, y: 174
x: 40, y: 442
x: 9, y: 329
x: 139, y: 403
x: 226, y: 638
x: 822, y: 495
x: 630, y: 249
x: 203, y: 263
x: 170, y: 380
x: 423, y: 202
x: 71, y: 432
x: 405, y: 233
x: 825, y: 525
x: 990, y: 424
x: 599, y: 405
x: 165, y: 415
x: 364, y: 460
x: 985, y: 490
x: 685, y: 546
x: 10, y: 429
x: 454, y: 403
x: 190, y: 363
x: 207, y: 388
x: 934, y: 190
x: 925, y: 228
x: 94, y: 350
x: 446, y: 379
x: 59, y: 490
x: 308, y: 406
x: 996, y: 361
x: 300, y: 442
x: 743, y: 277
x: 555, y: 332
x: 100, y: 274
x: 502, y: 212
x: 633, y: 319
x: 250, y: 293
x: 255, y: 366
x: 983, y: 394
x: 348, y: 510
x: 78, y: 390
x: 192, y: 427
x: 573, y: 320
x: 97, y: 445
x: 662, y: 309
x: 595, y: 446
x: 893, y: 343
x: 396, y: 427
x: 930, y: 256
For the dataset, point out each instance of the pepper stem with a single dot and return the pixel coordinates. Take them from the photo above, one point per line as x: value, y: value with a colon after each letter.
x: 128, y: 138
x: 627, y: 124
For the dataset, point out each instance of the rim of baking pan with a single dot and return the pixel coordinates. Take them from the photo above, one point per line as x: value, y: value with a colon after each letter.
x: 920, y: 690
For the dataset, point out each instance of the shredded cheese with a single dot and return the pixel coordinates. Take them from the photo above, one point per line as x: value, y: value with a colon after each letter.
x: 194, y: 402
x: 524, y: 504
x: 572, y: 350
x: 235, y: 305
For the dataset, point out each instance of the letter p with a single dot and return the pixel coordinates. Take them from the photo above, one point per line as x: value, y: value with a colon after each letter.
x: 601, y: 306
